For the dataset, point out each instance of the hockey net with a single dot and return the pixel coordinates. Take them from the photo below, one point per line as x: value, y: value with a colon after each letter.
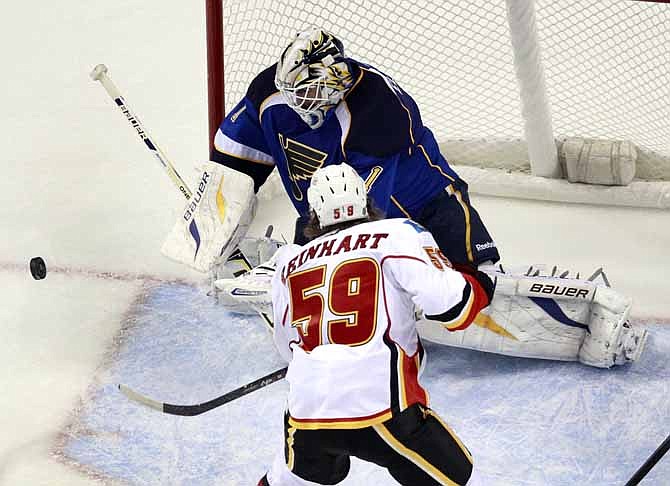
x: 495, y: 81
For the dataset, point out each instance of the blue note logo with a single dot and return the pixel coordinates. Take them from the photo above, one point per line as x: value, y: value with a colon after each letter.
x: 302, y: 161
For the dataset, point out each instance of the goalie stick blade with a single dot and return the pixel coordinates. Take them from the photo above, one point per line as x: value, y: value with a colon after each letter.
x: 192, y: 410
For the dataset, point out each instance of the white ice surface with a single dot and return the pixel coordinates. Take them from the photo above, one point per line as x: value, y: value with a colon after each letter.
x: 80, y: 190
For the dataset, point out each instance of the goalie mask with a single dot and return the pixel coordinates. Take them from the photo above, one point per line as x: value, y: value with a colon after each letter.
x: 313, y: 75
x: 337, y: 194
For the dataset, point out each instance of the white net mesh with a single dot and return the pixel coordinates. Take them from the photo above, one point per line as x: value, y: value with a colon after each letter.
x: 606, y: 67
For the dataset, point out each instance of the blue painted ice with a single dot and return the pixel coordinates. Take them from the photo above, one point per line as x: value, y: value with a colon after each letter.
x: 527, y: 422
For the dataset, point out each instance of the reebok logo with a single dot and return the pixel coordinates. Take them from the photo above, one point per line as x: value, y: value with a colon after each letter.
x: 235, y: 115
x: 485, y: 246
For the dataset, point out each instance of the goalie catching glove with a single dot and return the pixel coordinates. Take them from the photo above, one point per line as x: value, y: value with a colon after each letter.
x: 214, y: 220
x: 251, y: 292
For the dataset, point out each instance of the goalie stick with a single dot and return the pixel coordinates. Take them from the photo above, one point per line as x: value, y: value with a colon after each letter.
x: 191, y: 410
x: 99, y: 73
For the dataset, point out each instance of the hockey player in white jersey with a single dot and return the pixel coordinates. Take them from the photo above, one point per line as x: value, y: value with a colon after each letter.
x: 344, y: 307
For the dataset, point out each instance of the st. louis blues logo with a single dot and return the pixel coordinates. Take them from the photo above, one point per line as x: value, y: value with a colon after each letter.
x: 302, y: 161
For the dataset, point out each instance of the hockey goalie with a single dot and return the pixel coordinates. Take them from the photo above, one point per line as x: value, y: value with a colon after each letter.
x: 536, y: 312
x: 317, y: 107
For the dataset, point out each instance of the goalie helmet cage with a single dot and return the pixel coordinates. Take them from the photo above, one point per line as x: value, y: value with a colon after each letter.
x: 499, y: 83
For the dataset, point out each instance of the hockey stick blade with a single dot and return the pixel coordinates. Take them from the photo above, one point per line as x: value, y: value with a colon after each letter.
x: 650, y: 463
x: 191, y: 410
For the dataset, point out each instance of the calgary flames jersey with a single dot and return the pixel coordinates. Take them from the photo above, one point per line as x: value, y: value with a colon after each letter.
x: 344, y: 307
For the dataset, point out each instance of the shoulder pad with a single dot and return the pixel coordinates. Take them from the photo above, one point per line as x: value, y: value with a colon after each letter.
x: 380, y: 122
x: 416, y: 226
x: 262, y: 86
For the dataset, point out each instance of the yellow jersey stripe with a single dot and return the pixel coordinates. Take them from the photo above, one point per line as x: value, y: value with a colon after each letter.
x: 452, y: 434
x: 460, y: 319
x: 401, y: 377
x: 413, y: 456
x: 466, y: 212
x: 290, y: 457
x: 340, y: 424
x: 435, y: 166
x: 395, y: 201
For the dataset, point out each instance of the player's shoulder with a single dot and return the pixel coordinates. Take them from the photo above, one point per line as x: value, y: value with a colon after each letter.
x: 398, y: 229
x: 285, y: 253
x: 381, y: 121
x: 367, y: 78
x: 262, y: 87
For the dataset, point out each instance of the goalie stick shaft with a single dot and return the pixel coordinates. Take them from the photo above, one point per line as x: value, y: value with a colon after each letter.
x: 99, y: 73
x: 197, y: 409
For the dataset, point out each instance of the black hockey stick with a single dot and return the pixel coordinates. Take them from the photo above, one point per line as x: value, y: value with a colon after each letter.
x: 650, y: 463
x: 191, y: 410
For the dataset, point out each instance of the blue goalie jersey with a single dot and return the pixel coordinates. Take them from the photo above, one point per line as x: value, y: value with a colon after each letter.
x: 376, y: 128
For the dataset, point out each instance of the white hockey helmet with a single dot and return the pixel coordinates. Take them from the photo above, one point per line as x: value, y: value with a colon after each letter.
x: 313, y: 75
x: 337, y: 194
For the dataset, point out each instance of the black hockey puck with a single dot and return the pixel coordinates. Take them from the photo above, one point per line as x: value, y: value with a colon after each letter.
x: 38, y: 269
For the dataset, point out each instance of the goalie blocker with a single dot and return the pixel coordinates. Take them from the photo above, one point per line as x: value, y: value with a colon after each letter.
x: 214, y: 220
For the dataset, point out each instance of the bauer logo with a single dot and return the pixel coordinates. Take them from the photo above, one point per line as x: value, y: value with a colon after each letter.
x: 556, y: 290
x: 559, y: 290
x: 197, y: 196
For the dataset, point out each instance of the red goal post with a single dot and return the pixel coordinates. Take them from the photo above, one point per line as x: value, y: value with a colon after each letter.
x: 501, y: 83
x: 216, y: 101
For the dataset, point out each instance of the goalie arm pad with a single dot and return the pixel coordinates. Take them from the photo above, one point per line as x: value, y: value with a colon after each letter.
x: 240, y: 144
x: 259, y: 171
x: 214, y: 220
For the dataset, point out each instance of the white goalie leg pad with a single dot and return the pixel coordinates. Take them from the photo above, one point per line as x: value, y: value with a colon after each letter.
x: 612, y: 339
x: 214, y: 220
x: 516, y: 325
x: 549, y: 318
